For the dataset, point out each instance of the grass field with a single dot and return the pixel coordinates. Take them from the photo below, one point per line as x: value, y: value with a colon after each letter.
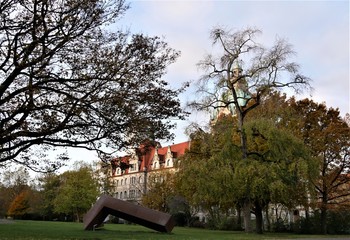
x: 30, y: 230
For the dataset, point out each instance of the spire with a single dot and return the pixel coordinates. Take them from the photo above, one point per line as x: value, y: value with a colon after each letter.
x: 236, y: 65
x: 236, y: 69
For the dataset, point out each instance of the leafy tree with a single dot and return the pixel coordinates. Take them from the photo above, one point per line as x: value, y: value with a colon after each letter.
x: 328, y: 137
x: 78, y: 191
x: 35, y: 211
x: 160, y: 190
x: 207, y: 183
x: 14, y: 181
x: 50, y: 185
x: 20, y: 205
x: 213, y: 175
x: 279, y: 168
x: 102, y: 174
x: 66, y: 81
x: 4, y: 200
x: 224, y: 83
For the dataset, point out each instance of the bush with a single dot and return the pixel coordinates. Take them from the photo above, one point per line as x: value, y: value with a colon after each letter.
x: 224, y: 223
x: 196, y: 223
x: 180, y: 219
x: 338, y: 222
x: 280, y: 226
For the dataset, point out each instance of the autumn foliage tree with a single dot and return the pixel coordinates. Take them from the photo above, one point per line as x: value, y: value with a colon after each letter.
x: 328, y: 137
x: 14, y: 181
x: 20, y: 205
x: 67, y: 81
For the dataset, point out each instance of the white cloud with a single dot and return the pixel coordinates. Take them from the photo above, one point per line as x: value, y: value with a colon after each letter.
x: 318, y: 30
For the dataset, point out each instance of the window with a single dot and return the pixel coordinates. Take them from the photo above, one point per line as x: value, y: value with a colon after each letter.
x: 117, y: 195
x: 133, y: 180
x: 121, y: 183
x: 132, y: 167
x: 168, y: 163
x: 121, y: 195
x: 117, y: 183
x: 132, y: 193
x: 125, y: 194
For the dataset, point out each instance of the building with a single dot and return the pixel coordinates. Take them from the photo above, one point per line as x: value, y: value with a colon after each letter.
x: 129, y: 173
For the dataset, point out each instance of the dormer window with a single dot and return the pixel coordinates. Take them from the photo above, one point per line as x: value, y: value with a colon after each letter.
x: 133, y: 167
x: 155, y: 165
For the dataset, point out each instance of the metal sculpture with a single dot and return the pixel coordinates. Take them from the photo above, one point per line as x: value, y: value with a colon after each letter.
x: 149, y: 218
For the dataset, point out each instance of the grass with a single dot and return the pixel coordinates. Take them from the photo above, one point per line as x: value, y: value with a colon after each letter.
x: 30, y: 230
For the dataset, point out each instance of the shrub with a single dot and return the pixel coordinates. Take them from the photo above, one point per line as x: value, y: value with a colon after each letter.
x: 338, y: 222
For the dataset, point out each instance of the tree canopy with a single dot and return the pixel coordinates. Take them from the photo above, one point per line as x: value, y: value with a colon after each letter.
x: 327, y: 136
x: 77, y: 192
x: 277, y: 170
x: 67, y: 81
x: 161, y: 189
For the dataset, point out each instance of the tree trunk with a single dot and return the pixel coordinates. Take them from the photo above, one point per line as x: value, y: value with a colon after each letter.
x: 239, y: 217
x: 324, y: 199
x: 324, y: 215
x: 246, y: 205
x: 258, y: 218
x: 247, y: 216
x: 268, y: 223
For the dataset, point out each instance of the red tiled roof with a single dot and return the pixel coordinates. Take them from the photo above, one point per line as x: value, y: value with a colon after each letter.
x: 147, y: 151
x: 179, y: 149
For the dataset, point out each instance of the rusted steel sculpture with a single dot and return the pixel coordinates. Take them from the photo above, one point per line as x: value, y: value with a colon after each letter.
x: 149, y: 218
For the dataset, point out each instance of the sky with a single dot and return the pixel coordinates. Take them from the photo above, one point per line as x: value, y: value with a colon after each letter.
x: 318, y: 31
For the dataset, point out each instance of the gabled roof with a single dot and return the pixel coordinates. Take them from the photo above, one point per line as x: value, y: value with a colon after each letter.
x: 147, y: 152
x: 178, y: 148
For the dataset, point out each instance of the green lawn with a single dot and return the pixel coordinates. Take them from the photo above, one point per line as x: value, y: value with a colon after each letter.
x: 30, y: 230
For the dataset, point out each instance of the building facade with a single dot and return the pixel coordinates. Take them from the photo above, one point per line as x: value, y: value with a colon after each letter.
x: 129, y: 174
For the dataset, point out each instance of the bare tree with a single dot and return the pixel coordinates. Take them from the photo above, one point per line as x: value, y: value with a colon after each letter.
x: 225, y: 84
x: 65, y: 81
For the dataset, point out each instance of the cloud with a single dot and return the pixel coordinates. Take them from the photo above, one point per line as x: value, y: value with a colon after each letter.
x: 318, y: 31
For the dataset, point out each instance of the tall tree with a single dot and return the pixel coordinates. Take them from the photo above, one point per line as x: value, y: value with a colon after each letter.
x: 16, y: 180
x: 65, y: 80
x: 276, y: 170
x: 205, y: 181
x: 224, y: 83
x: 50, y: 185
x: 78, y: 191
x: 328, y: 137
